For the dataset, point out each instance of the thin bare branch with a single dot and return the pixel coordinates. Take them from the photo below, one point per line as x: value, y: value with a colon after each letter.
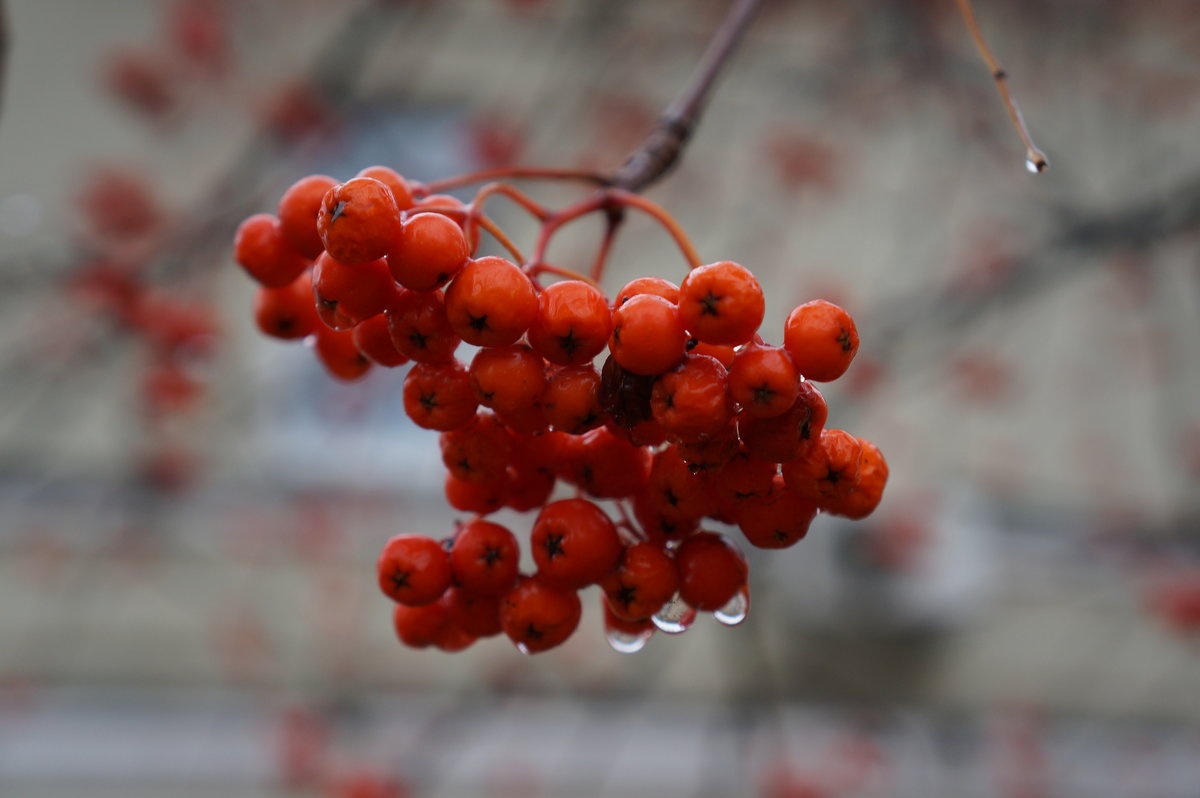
x: 1035, y: 159
x: 662, y: 148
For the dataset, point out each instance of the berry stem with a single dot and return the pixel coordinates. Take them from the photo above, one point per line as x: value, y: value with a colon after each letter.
x: 508, y: 173
x: 548, y: 268
x: 486, y: 223
x: 663, y: 217
x: 1035, y: 159
x: 612, y: 223
x: 662, y: 147
x: 538, y: 211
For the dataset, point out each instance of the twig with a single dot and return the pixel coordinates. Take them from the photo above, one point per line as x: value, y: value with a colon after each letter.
x: 507, y: 173
x: 1035, y: 159
x: 662, y: 148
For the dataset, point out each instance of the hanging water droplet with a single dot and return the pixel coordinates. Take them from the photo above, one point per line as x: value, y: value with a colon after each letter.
x: 524, y: 649
x: 627, y: 642
x: 1035, y: 166
x: 675, y: 617
x: 736, y: 609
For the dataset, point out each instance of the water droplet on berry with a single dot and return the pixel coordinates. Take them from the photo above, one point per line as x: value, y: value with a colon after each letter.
x: 675, y: 617
x: 736, y: 609
x: 524, y: 649
x: 627, y: 642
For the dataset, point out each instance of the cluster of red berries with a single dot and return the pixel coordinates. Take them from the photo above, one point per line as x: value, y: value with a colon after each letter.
x: 690, y: 417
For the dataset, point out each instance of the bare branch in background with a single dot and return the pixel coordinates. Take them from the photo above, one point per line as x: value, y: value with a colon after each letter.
x: 662, y: 148
x: 1035, y: 159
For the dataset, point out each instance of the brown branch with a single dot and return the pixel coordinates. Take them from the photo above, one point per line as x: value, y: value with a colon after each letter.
x: 662, y: 148
x: 1035, y: 159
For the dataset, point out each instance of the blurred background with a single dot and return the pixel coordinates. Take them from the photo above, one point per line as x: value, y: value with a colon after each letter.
x: 190, y: 513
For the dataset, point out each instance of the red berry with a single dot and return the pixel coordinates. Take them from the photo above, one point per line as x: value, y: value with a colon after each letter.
x: 711, y: 570
x: 358, y: 221
x: 692, y: 401
x: 721, y: 303
x: 374, y: 342
x: 647, y: 335
x: 508, y: 379
x: 413, y: 570
x: 648, y: 285
x: 572, y: 325
x: 786, y: 436
x: 419, y: 327
x: 429, y: 250
x: 477, y: 615
x: 484, y: 558
x: 393, y: 180
x: 574, y: 544
x: 491, y: 302
x: 775, y: 520
x: 827, y: 472
x: 763, y: 381
x: 537, y: 617
x: 346, y: 295
x: 439, y: 396
x: 298, y: 211
x: 645, y: 579
x: 572, y: 399
x: 287, y: 312
x: 260, y: 249
x: 822, y: 340
x: 337, y: 352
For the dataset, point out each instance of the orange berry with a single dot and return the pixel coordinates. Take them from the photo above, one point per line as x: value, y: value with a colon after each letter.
x: 763, y: 381
x: 358, y: 220
x: 508, y: 378
x: 721, y: 303
x: 429, y: 250
x: 439, y: 395
x: 337, y: 352
x: 287, y: 312
x: 692, y: 402
x: 572, y: 325
x: 298, y: 211
x: 394, y: 181
x: 647, y: 335
x: 259, y: 248
x: 822, y: 340
x: 648, y: 285
x: 491, y: 302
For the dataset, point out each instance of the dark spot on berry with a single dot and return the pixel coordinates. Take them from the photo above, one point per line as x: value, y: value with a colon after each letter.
x: 692, y: 343
x: 568, y: 343
x: 617, y: 335
x: 833, y: 476
x: 533, y: 633
x: 478, y: 323
x: 763, y: 394
x: 708, y: 305
x: 338, y: 211
x: 844, y: 340
x: 671, y: 498
x: 779, y: 535
x: 429, y: 401
x: 442, y: 277
x: 626, y: 595
x: 419, y: 339
x: 492, y: 555
x: 553, y: 546
x: 399, y: 580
